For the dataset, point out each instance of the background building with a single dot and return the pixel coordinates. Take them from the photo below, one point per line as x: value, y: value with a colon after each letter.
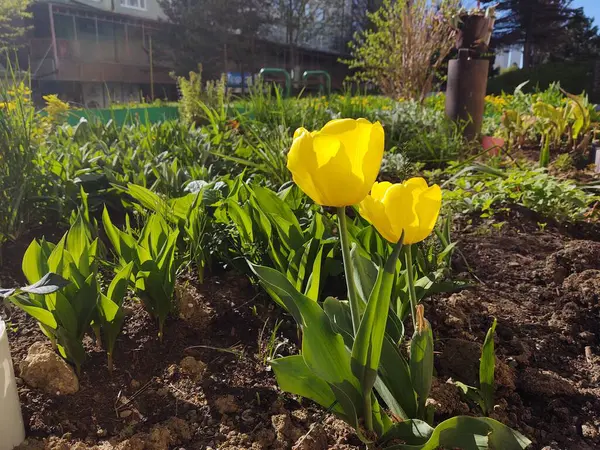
x: 94, y: 52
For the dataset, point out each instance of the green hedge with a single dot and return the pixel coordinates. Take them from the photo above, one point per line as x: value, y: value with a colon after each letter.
x: 574, y: 77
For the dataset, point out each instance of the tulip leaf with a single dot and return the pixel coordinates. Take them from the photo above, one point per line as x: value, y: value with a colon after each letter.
x: 487, y: 369
x: 294, y: 376
x: 464, y: 432
x: 323, y: 349
x: 393, y: 383
x: 421, y: 363
x: 365, y: 273
x: 366, y: 350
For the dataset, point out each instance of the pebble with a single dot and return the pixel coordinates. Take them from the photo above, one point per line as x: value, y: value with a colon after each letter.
x: 589, y: 431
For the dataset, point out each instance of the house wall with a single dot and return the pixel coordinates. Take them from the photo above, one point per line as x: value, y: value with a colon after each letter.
x: 152, y: 11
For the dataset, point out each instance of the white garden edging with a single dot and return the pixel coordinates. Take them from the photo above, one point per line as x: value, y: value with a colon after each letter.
x: 11, y: 421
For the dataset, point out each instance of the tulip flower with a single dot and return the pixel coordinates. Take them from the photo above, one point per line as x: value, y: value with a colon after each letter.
x: 337, y: 165
x: 412, y: 207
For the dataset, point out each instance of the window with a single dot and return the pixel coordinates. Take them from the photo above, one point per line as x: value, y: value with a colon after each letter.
x: 137, y: 4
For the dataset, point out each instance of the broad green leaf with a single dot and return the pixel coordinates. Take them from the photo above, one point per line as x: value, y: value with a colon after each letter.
x: 148, y: 198
x: 313, y: 286
x: 118, y: 286
x: 42, y: 315
x: 466, y: 433
x: 34, y: 264
x: 294, y: 376
x: 394, y: 384
x: 322, y: 348
x: 486, y: 370
x: 365, y: 273
x: 366, y: 351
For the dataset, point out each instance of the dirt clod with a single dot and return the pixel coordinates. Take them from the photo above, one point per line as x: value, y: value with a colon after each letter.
x: 44, y: 369
x: 193, y: 367
x: 227, y: 404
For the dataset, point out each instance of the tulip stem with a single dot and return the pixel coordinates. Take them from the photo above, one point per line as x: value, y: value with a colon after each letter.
x: 410, y: 280
x: 352, y: 297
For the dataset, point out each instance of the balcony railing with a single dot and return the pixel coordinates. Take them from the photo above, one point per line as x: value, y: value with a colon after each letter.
x: 102, y: 51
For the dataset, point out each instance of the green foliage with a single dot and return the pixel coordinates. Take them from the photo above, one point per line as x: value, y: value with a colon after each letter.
x: 111, y: 312
x: 13, y: 14
x: 405, y: 46
x: 266, y: 230
x: 338, y: 369
x: 196, y: 97
x: 64, y: 316
x: 48, y: 284
x: 478, y: 190
x: 153, y: 254
x: 22, y: 178
x: 573, y: 77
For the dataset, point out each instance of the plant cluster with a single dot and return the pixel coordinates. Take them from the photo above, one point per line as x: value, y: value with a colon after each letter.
x: 351, y: 360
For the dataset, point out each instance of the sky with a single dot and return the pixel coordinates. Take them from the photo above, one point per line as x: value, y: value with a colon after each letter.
x: 590, y: 7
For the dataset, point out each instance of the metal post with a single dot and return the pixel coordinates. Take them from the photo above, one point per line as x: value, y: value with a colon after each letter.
x: 465, y: 92
x: 53, y: 35
x: 151, y: 68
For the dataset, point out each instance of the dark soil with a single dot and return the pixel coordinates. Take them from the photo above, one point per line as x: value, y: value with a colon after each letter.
x: 542, y: 286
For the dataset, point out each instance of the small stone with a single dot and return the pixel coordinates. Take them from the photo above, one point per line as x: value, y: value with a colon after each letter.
x: 44, y: 369
x: 135, y: 384
x: 101, y: 432
x: 589, y: 431
x: 193, y: 367
x: 285, y: 429
x: 226, y: 404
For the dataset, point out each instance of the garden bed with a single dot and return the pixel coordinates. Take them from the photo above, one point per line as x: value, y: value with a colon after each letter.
x: 542, y: 286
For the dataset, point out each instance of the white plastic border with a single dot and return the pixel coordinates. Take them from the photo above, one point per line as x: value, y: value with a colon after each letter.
x: 12, y: 431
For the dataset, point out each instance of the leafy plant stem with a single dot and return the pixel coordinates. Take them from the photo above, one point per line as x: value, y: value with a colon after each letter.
x: 410, y: 279
x: 352, y: 297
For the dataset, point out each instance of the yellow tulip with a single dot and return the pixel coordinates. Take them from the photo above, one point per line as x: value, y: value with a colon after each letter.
x: 337, y: 165
x: 411, y: 206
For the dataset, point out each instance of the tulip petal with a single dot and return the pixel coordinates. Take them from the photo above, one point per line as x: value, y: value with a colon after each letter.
x: 299, y: 132
x: 428, y: 210
x: 374, y: 212
x: 400, y: 210
x: 373, y: 153
x: 339, y: 126
x: 335, y: 181
x: 379, y: 189
x: 302, y: 162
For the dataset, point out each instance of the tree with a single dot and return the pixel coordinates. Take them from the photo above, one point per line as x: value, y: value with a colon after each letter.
x: 304, y: 20
x: 406, y: 46
x: 579, y: 40
x: 213, y: 33
x: 537, y: 25
x: 13, y: 16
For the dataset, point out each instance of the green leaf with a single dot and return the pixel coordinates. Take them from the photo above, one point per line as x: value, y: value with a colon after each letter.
x: 486, y: 370
x: 323, y: 349
x: 40, y: 314
x: 366, y: 351
x: 466, y: 433
x: 365, y: 273
x: 34, y: 264
x: 421, y: 363
x: 48, y: 284
x: 294, y: 376
x: 118, y: 286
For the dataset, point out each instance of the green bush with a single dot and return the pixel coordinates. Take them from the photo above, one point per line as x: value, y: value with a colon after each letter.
x: 574, y: 77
